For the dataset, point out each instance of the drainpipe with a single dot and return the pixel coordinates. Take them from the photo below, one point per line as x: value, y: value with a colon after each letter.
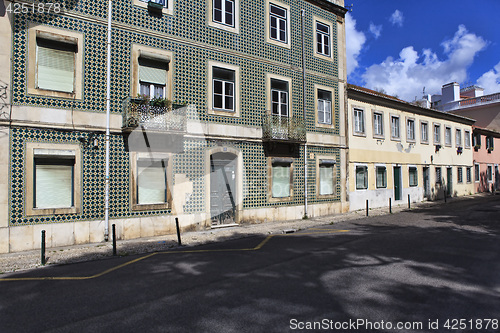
x: 108, y: 106
x: 304, y: 110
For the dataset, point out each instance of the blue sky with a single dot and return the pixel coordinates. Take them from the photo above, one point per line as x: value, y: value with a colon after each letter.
x: 402, y: 46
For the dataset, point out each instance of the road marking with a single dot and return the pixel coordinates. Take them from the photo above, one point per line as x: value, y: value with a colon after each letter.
x: 112, y: 269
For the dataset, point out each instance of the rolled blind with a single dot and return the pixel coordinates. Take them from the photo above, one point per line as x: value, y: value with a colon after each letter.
x: 325, y: 179
x: 53, y: 185
x: 281, y: 181
x: 152, y: 71
x: 55, y: 66
x: 151, y: 187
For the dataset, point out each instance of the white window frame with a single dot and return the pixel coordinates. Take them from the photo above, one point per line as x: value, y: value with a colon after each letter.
x: 168, y: 8
x: 321, y: 41
x: 235, y: 28
x: 377, y: 167
x: 458, y: 137
x: 436, y: 135
x: 320, y: 159
x: 236, y: 89
x: 277, y: 41
x: 228, y: 89
x: 358, y: 116
x: 272, y: 161
x: 365, y: 185
x: 447, y: 134
x: 378, y: 124
x: 410, y: 130
x: 424, y: 125
x: 467, y: 139
x: 395, y: 136
x: 269, y: 90
x: 325, y: 103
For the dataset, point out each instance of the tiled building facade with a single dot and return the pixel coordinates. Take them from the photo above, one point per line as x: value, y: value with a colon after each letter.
x: 239, y: 152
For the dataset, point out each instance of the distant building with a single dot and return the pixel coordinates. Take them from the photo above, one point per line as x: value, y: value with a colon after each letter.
x: 398, y: 149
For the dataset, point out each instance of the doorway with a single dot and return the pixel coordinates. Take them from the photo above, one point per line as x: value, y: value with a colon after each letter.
x: 397, y: 183
x: 449, y: 182
x: 223, y: 188
x: 427, y: 184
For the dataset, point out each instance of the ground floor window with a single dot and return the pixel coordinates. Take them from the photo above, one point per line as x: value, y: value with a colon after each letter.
x: 326, y: 177
x: 459, y: 175
x: 381, y: 173
x: 361, y: 177
x: 54, y: 183
x: 281, y: 178
x: 438, y: 176
x: 469, y: 174
x: 413, y: 176
x: 489, y: 173
x: 151, y: 182
x: 476, y: 172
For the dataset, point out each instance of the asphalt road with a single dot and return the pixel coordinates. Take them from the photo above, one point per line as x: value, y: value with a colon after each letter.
x: 418, y: 269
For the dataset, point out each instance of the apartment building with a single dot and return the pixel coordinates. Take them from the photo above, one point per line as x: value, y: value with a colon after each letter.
x: 221, y: 113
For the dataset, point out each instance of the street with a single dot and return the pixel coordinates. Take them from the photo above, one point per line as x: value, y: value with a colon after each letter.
x: 437, y: 266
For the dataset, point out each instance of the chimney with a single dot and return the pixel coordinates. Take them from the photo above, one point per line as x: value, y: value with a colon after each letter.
x: 451, y: 92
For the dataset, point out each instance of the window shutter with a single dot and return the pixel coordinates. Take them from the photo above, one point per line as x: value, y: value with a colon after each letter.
x: 152, y: 71
x: 281, y: 181
x: 56, y: 67
x: 53, y: 186
x: 151, y: 185
x: 325, y: 179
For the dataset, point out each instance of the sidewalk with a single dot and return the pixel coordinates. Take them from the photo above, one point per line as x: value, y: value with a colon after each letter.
x: 78, y: 253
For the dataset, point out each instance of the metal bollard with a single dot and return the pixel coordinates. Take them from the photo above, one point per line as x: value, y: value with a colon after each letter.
x: 366, y: 207
x: 43, y: 248
x: 114, y: 239
x: 178, y: 231
x: 409, y: 205
x: 390, y: 207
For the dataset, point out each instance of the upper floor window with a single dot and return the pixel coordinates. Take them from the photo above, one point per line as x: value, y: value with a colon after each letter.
x: 152, y: 78
x: 224, y: 12
x: 410, y: 129
x: 437, y: 134
x: 447, y: 136
x: 395, y: 127
x: 458, y: 137
x: 279, y: 97
x: 278, y: 23
x: 467, y: 139
x: 378, y: 124
x: 324, y: 107
x: 223, y: 88
x: 323, y: 39
x: 489, y: 143
x: 424, y: 132
x: 359, y: 121
x: 476, y: 140
x: 168, y: 5
x: 164, y: 3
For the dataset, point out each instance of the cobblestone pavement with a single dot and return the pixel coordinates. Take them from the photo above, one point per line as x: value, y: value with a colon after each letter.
x: 70, y: 254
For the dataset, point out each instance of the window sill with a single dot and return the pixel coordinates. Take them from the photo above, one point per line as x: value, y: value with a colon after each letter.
x: 52, y: 211
x: 216, y: 112
x: 145, y: 207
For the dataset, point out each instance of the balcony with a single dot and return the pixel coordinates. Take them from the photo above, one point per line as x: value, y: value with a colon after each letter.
x: 162, y: 117
x: 283, y: 129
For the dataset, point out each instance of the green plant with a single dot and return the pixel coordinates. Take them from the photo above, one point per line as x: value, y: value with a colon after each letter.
x: 161, y: 102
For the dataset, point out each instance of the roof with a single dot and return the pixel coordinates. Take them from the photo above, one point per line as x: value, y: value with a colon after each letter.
x: 375, y: 97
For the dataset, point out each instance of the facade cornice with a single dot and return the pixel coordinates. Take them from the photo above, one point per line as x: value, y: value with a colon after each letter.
x: 330, y: 6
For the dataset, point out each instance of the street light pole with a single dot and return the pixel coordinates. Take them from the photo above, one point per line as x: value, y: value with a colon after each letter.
x: 108, y: 107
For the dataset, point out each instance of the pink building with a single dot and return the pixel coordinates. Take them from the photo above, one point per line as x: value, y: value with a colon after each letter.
x: 486, y: 159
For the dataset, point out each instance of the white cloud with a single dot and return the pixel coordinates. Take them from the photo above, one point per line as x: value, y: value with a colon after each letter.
x: 490, y: 80
x: 354, y: 43
x: 397, y: 18
x: 407, y: 75
x: 376, y: 30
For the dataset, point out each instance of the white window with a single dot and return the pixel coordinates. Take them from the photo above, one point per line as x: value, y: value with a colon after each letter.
x: 437, y: 134
x: 151, y: 182
x: 413, y: 176
x: 281, y: 178
x: 223, y: 88
x: 323, y: 39
x: 424, y: 132
x: 458, y: 138
x: 381, y: 173
x: 278, y: 23
x: 279, y: 97
x: 447, y: 136
x: 359, y: 121
x: 395, y: 127
x: 224, y: 12
x: 152, y: 78
x: 361, y: 177
x: 326, y: 180
x: 467, y: 139
x: 324, y: 107
x: 378, y: 124
x: 164, y: 3
x: 410, y: 130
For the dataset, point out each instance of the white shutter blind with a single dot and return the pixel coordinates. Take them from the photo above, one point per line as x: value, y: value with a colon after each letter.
x: 56, y: 66
x: 151, y: 185
x: 325, y: 179
x: 53, y: 186
x: 281, y: 181
x: 152, y: 71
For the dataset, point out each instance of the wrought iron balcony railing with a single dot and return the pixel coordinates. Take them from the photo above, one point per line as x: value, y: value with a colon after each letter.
x: 284, y: 129
x: 139, y: 112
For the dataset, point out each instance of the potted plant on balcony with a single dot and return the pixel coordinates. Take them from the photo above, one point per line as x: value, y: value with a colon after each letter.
x: 161, y: 102
x: 477, y: 147
x: 459, y: 150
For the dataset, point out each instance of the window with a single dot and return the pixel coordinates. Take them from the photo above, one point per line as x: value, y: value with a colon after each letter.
x: 459, y: 175
x: 361, y: 177
x: 281, y: 178
x: 55, y: 62
x: 149, y: 181
x: 437, y: 134
x: 323, y: 39
x: 164, y: 3
x: 151, y: 72
x: 424, y: 132
x: 489, y: 143
x: 489, y: 173
x: 152, y: 78
x: 326, y: 177
x: 469, y: 174
x: 413, y: 176
x: 410, y: 130
x: 476, y: 140
x: 53, y: 179
x: 476, y: 172
x: 223, y: 88
x: 168, y: 5
x: 447, y: 136
x: 438, y: 176
x: 378, y: 124
x: 381, y: 173
x: 278, y: 24
x: 279, y: 97
x: 324, y: 106
x: 458, y: 138
x: 359, y: 121
x: 467, y: 139
x: 223, y: 12
x: 395, y: 127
